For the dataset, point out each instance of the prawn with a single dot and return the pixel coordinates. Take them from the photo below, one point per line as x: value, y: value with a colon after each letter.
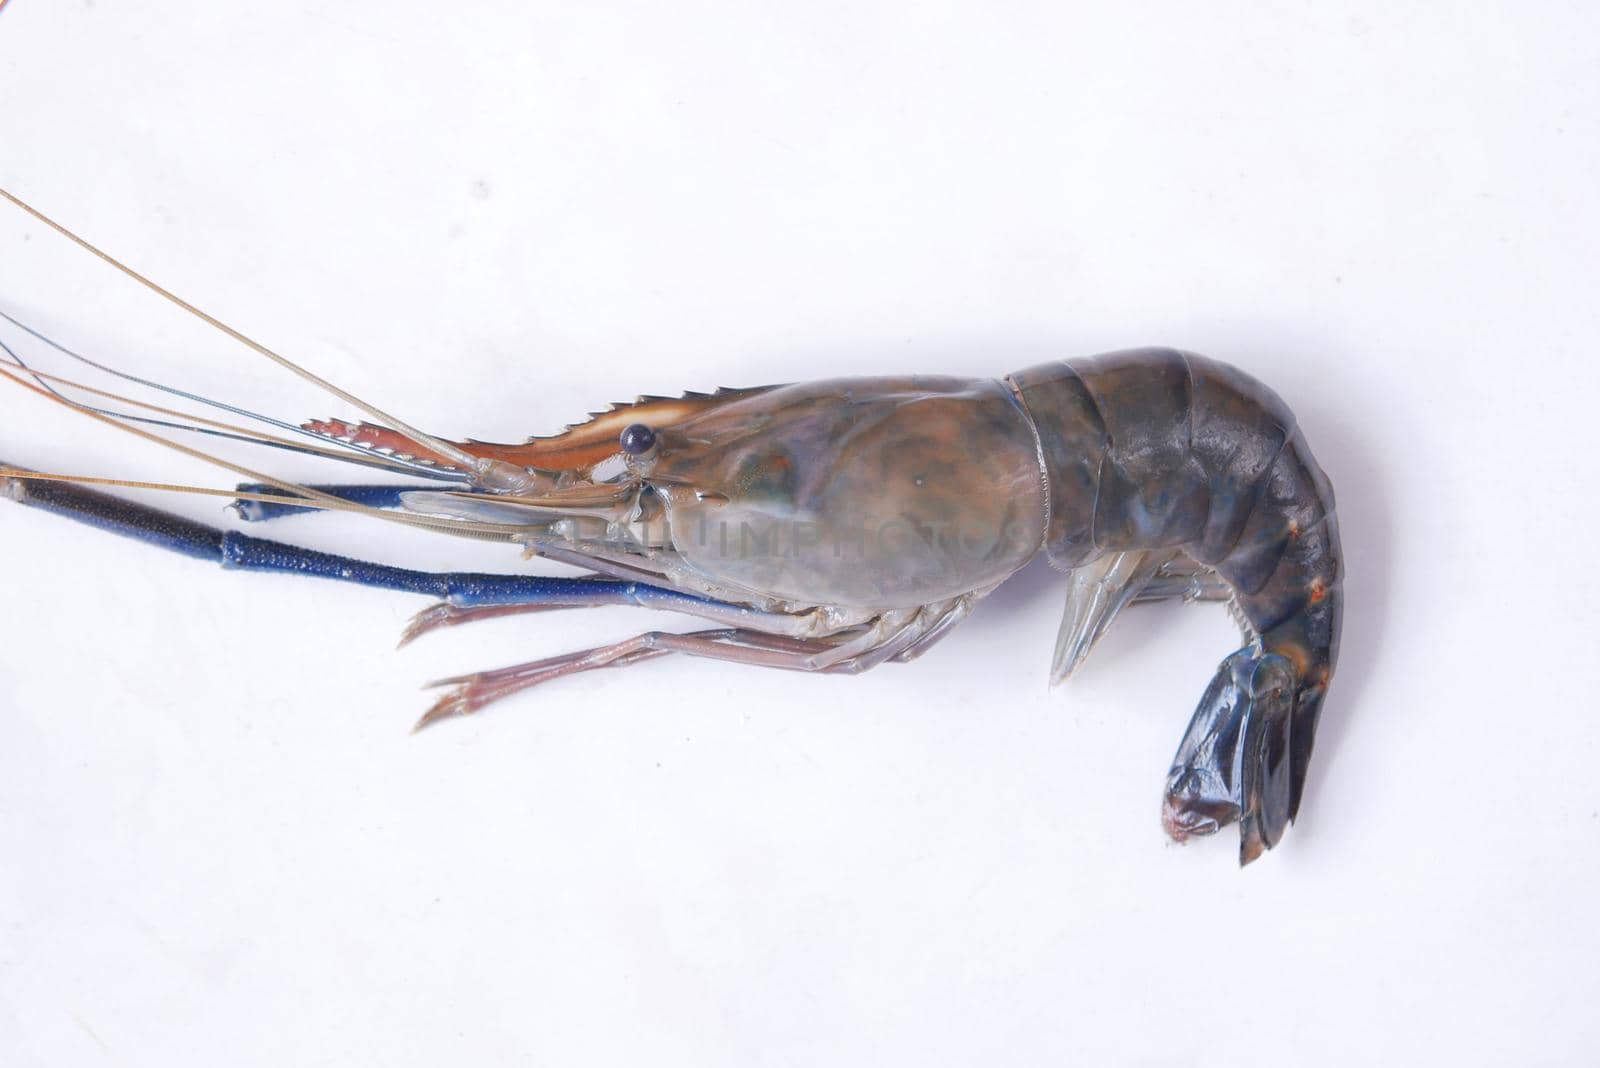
x: 828, y: 527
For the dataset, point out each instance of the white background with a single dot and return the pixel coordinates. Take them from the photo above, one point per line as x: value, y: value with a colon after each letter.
x: 218, y: 843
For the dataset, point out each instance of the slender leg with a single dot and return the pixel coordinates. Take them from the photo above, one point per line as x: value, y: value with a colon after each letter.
x: 444, y: 614
x: 924, y: 629
x: 814, y: 622
x: 942, y: 626
x: 469, y: 693
x: 930, y: 623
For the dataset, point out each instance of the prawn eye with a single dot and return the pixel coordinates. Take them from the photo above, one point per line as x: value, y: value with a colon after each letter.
x: 637, y: 439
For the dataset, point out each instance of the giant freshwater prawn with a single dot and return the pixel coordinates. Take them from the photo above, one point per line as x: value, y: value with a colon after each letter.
x: 826, y: 526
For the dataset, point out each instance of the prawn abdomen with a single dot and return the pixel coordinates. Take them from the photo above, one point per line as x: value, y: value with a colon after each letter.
x: 1152, y: 454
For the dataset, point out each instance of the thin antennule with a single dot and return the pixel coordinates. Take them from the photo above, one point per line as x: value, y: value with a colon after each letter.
x: 349, y: 456
x: 198, y: 424
x: 498, y: 532
x: 491, y: 474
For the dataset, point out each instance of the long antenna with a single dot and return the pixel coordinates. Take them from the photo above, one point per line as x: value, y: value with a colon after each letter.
x: 493, y: 474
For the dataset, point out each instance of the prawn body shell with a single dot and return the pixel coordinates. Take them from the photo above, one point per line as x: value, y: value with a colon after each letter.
x: 865, y: 493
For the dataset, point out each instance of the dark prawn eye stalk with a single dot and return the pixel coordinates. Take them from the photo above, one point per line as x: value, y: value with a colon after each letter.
x: 637, y: 439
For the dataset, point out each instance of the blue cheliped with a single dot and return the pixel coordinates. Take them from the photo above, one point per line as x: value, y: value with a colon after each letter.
x: 243, y: 552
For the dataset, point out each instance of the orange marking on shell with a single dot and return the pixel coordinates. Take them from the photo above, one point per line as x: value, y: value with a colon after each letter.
x: 577, y: 448
x: 1296, y: 654
x: 532, y: 454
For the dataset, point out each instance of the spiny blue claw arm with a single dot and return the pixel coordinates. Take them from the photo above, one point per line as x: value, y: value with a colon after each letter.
x: 233, y: 550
